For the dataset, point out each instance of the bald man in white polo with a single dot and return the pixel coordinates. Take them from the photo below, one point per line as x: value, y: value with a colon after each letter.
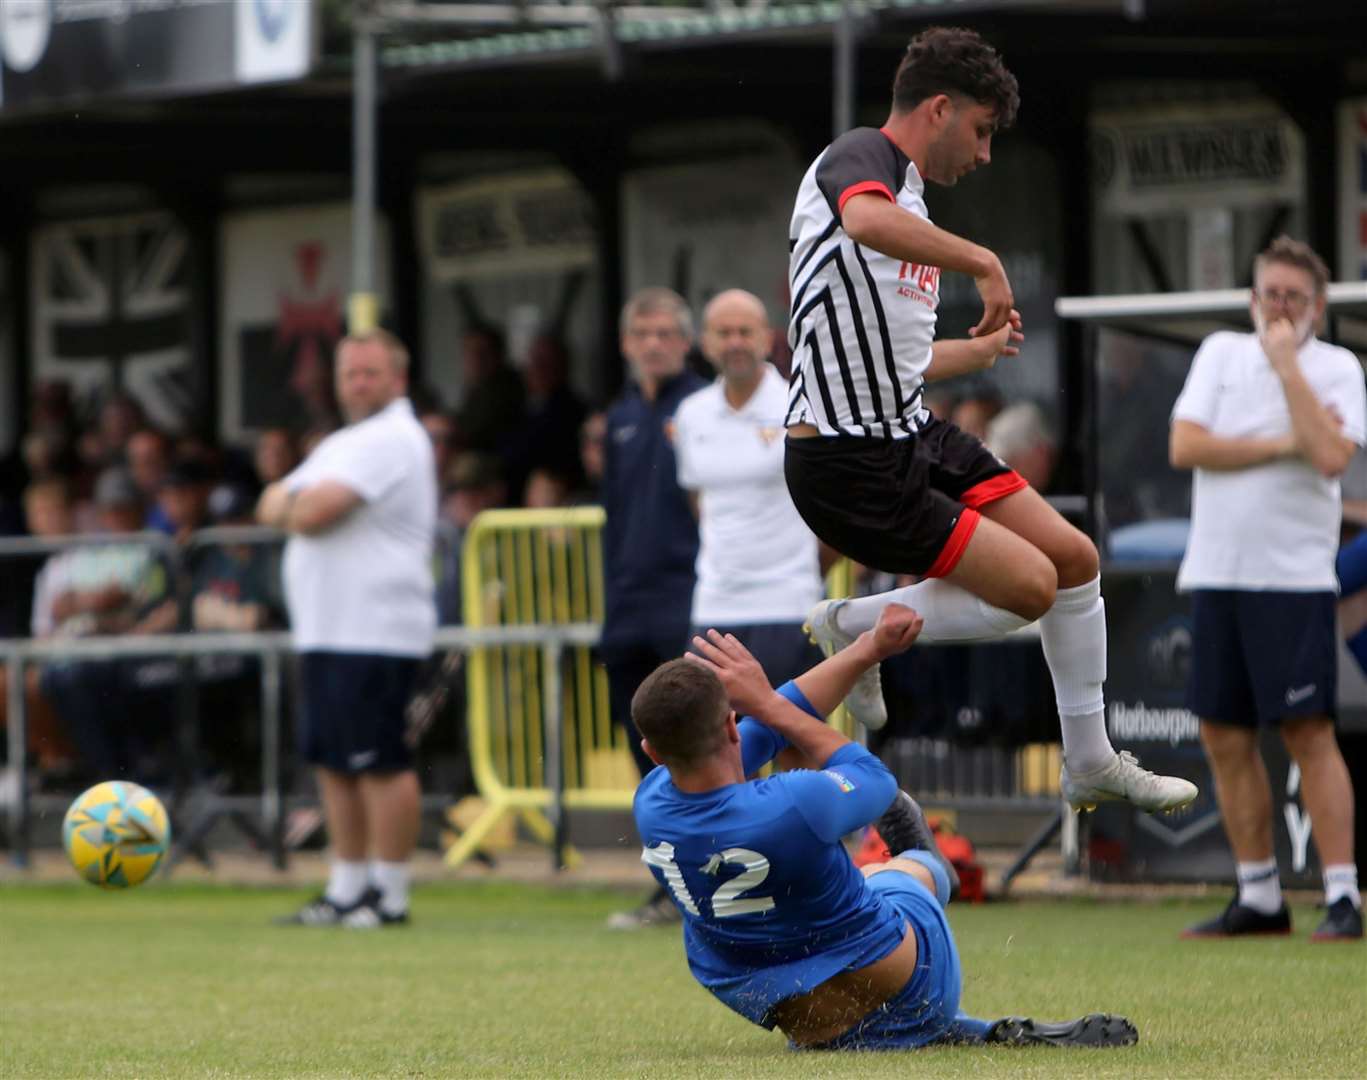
x: 758, y: 569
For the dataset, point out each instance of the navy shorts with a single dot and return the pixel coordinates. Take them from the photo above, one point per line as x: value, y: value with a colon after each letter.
x: 903, y: 506
x: 352, y: 720
x: 1262, y: 657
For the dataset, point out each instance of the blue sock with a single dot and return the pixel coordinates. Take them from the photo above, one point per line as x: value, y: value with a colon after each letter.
x: 967, y: 1029
x: 931, y: 863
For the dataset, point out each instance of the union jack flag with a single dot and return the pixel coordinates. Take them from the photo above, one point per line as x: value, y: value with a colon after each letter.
x: 112, y: 310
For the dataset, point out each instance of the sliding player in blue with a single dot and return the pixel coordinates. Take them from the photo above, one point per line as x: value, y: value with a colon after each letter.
x: 778, y: 923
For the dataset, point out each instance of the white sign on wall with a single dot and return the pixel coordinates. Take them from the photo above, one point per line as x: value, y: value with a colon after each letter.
x: 274, y: 39
x: 1353, y: 190
x: 713, y: 225
x: 1149, y: 161
x: 286, y: 275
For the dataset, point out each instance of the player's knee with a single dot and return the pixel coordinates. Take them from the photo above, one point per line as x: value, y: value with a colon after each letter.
x: 1308, y: 737
x: 1035, y: 590
x: 1227, y: 744
x: 1078, y: 561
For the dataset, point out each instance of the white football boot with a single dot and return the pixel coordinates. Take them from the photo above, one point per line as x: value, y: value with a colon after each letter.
x: 1123, y: 780
x: 865, y: 700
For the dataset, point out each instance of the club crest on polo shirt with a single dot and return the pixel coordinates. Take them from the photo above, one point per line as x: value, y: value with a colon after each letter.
x: 768, y: 434
x: 841, y: 780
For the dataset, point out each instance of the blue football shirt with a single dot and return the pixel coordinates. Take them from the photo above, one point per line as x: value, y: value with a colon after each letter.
x: 772, y: 904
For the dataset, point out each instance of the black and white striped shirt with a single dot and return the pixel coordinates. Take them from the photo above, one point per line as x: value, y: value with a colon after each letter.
x: 861, y: 323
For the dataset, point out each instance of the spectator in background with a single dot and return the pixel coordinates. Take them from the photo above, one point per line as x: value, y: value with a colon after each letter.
x: 114, y: 588
x: 184, y: 497
x: 650, y: 539
x: 441, y: 429
x: 493, y: 405
x: 309, y: 440
x: 550, y: 434
x: 275, y: 455
x: 148, y: 453
x: 118, y: 418
x: 758, y: 565
x: 474, y: 483
x: 234, y: 589
x: 1021, y: 436
x: 361, y: 514
x: 547, y: 488
x: 975, y: 407
x: 47, y: 510
x: 592, y: 441
x: 1269, y: 421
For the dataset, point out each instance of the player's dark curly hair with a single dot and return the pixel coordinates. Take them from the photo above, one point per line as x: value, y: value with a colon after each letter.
x: 680, y: 708
x: 952, y: 60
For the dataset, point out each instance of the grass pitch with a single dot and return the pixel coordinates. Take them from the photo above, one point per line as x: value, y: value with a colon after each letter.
x: 501, y: 981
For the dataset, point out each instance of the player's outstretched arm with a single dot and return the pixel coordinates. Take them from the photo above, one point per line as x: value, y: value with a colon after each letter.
x: 829, y: 683
x: 875, y: 222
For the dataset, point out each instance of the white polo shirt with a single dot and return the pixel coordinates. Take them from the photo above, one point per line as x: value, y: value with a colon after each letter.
x: 757, y: 560
x: 365, y: 585
x: 1275, y: 526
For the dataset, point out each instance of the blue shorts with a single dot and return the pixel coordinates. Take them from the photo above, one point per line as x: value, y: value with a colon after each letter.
x: 1262, y: 657
x: 926, y: 1010
x: 352, y: 720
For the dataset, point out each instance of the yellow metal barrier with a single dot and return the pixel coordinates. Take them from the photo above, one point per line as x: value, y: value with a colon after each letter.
x: 544, y: 567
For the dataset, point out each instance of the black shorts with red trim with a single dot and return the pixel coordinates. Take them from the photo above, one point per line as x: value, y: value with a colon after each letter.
x: 904, y: 506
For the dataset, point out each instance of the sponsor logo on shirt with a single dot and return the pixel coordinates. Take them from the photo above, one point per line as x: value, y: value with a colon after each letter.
x: 922, y: 283
x: 841, y: 781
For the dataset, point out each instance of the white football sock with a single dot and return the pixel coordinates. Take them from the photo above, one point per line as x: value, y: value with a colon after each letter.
x: 1259, y: 886
x: 1340, y: 880
x: 1073, y: 633
x: 951, y: 613
x: 391, y: 878
x: 347, y: 882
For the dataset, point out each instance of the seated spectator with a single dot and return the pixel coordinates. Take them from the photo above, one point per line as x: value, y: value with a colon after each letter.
x: 184, y: 497
x: 115, y: 588
x: 493, y: 404
x: 148, y: 454
x: 119, y: 417
x: 548, y: 487
x: 234, y: 588
x: 550, y: 434
x: 592, y: 434
x: 976, y: 407
x: 441, y: 429
x: 474, y: 483
x: 275, y: 455
x: 47, y: 508
x: 1021, y: 436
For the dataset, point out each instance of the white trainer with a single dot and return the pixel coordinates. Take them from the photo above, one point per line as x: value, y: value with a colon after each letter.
x: 865, y: 700
x: 1123, y: 780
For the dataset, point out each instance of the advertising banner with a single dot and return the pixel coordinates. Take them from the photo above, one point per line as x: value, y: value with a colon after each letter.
x: 1150, y: 639
x: 57, y: 51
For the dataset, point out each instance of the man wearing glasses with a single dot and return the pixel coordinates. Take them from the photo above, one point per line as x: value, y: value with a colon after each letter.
x: 1268, y: 421
x: 650, y: 538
